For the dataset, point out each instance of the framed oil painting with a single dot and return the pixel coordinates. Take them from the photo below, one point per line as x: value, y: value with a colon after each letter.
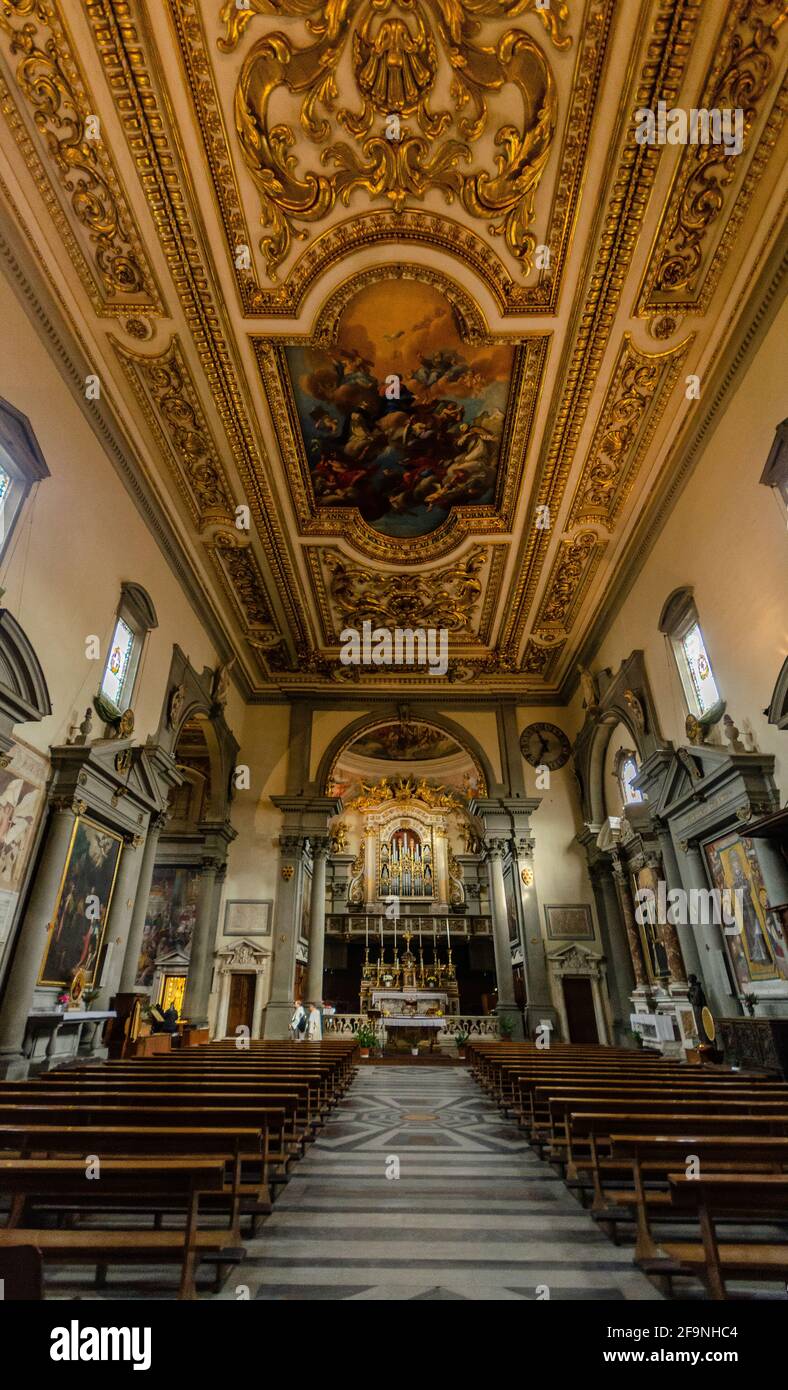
x: 170, y: 918
x: 22, y: 787
x: 758, y: 951
x: 572, y: 922
x: 76, y: 932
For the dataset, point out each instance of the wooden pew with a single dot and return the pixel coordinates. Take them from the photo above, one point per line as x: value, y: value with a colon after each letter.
x: 645, y: 1161
x: 745, y: 1198
x: 181, y: 1179
x: 235, y: 1147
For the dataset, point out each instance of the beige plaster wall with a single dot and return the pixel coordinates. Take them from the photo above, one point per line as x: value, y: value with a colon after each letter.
x: 79, y: 537
x: 727, y: 538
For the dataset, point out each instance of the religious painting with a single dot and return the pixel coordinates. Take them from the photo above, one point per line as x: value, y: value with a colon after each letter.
x: 758, y: 951
x: 570, y: 922
x: 399, y: 417
x: 654, y: 953
x: 405, y: 742
x: 170, y: 917
x: 83, y: 904
x: 22, y: 787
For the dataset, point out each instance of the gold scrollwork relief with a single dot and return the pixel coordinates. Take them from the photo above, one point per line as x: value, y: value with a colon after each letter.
x: 411, y: 225
x: 444, y: 598
x: 394, y: 63
x: 167, y: 394
x: 660, y: 77
x: 639, y: 390
x: 107, y: 251
x: 572, y: 572
x: 739, y: 78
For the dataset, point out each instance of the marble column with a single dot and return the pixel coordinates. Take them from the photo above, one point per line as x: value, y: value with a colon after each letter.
x: 684, y: 933
x: 291, y: 872
x: 539, y: 1004
x: 666, y: 932
x: 120, y: 915
x: 195, y: 999
x: 21, y: 979
x: 707, y: 935
x: 317, y: 920
x: 624, y: 895
x: 495, y: 851
x: 128, y: 976
x: 620, y: 976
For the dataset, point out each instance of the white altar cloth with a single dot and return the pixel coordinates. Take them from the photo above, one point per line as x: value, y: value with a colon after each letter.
x: 413, y: 1021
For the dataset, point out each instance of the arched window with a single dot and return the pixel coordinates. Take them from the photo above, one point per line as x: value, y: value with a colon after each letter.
x: 680, y: 624
x: 134, y: 619
x: 21, y: 466
x: 626, y: 769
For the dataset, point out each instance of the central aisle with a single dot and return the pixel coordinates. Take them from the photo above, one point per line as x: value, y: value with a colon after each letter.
x: 474, y: 1213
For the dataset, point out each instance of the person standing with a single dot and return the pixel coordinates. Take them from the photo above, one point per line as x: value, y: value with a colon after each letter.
x: 298, y: 1022
x: 314, y: 1025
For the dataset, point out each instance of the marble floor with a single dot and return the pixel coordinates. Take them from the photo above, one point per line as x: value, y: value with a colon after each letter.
x: 417, y: 1188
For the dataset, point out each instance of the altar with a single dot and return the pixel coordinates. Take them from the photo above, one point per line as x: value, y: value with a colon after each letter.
x: 419, y: 981
x: 411, y: 1016
x: 407, y: 1003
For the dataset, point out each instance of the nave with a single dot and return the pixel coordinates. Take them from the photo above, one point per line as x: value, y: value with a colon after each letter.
x: 300, y: 1172
x: 474, y: 1214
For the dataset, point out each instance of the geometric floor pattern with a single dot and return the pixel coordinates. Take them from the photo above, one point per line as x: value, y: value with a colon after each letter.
x: 417, y: 1188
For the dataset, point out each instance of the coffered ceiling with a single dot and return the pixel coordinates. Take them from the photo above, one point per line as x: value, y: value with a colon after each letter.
x: 394, y: 282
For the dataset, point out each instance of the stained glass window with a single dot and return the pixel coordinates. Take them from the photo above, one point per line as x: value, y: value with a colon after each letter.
x: 5, y: 483
x: 626, y: 774
x: 699, y: 669
x: 117, y: 667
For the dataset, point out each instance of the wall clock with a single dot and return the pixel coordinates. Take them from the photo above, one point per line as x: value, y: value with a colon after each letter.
x: 544, y: 745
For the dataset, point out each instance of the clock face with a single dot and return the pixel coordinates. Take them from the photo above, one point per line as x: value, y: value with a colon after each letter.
x: 544, y: 745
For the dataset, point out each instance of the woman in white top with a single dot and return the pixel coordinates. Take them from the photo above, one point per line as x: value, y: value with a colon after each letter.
x: 314, y: 1025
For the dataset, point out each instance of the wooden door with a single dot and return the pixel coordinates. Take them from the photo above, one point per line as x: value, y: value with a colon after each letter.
x: 241, y: 1006
x: 579, y: 1003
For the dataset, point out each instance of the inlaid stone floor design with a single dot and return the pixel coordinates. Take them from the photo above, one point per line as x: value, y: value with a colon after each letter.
x: 474, y: 1214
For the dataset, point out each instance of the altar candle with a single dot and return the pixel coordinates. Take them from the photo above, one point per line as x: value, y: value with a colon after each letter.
x: 366, y: 932
x: 448, y: 934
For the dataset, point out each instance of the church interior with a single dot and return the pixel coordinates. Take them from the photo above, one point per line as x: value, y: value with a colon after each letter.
x: 393, y: 674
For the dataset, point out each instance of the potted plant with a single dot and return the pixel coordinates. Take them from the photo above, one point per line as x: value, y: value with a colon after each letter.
x: 460, y: 1040
x: 505, y: 1028
x: 365, y: 1037
x: 749, y: 1001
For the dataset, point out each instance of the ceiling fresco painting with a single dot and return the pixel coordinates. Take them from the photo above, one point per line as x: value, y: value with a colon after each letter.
x: 400, y: 418
x: 395, y: 281
x: 405, y: 741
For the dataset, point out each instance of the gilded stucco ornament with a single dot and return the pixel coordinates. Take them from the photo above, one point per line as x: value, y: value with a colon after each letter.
x: 444, y: 598
x: 395, y: 62
x: 48, y: 76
